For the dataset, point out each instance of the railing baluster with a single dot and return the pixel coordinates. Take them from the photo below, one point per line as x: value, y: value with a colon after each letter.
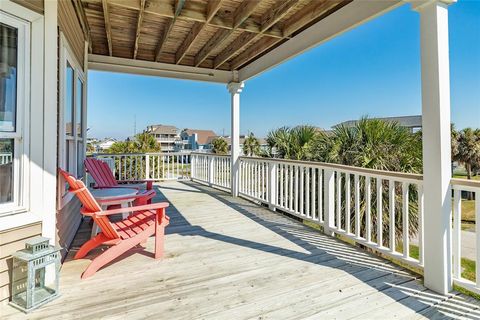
x: 368, y: 209
x: 280, y: 202
x: 405, y: 218
x: 348, y: 213
x: 391, y: 199
x: 339, y: 199
x: 312, y: 210
x: 296, y: 188
x: 420, y: 224
x: 307, y: 191
x: 357, y: 205
x: 290, y: 192
x: 320, y: 196
x: 379, y: 213
x: 457, y: 232
x: 302, y: 195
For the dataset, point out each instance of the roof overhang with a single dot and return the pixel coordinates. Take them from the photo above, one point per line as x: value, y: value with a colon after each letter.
x: 346, y: 18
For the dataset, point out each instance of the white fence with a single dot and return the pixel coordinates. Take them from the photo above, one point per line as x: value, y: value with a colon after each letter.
x: 378, y: 209
x: 5, y: 158
x: 156, y: 166
x: 211, y: 169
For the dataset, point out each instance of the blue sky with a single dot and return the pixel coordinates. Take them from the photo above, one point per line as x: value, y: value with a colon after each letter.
x: 372, y: 70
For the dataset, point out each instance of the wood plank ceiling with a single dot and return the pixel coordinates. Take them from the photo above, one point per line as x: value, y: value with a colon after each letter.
x: 214, y: 34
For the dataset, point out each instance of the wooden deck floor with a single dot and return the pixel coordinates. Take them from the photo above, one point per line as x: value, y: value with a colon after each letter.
x: 231, y: 259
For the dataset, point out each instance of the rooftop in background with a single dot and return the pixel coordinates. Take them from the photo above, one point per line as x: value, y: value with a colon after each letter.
x: 202, y: 135
x: 412, y: 122
x: 161, y: 129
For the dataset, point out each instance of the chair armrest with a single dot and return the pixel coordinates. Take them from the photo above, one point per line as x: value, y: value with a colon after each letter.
x: 115, y: 186
x: 149, y: 182
x: 150, y: 194
x: 152, y: 206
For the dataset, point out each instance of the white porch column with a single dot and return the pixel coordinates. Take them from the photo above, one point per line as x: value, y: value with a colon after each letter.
x: 49, y: 186
x: 235, y: 89
x: 436, y: 143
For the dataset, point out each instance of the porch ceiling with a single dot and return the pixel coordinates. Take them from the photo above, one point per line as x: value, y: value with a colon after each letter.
x: 217, y: 35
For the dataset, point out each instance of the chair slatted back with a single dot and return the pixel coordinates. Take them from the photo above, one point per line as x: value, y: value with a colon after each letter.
x: 90, y: 205
x: 100, y: 172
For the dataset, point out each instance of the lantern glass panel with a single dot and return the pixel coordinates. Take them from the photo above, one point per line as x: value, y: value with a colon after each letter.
x: 20, y: 282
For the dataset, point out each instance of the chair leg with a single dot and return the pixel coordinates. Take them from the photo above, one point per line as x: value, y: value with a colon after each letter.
x: 90, y: 245
x: 159, y: 241
x: 109, y: 255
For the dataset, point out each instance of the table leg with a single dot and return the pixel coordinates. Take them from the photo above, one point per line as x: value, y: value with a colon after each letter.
x: 95, y: 228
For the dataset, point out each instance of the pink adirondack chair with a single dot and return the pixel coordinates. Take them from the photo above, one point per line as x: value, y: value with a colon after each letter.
x: 145, y: 221
x: 104, y: 178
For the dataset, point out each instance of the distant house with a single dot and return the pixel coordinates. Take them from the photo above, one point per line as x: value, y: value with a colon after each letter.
x: 414, y: 123
x: 168, y: 136
x: 196, y: 140
x: 105, y: 144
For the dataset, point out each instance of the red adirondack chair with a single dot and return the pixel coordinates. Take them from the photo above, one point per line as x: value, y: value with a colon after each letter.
x: 104, y: 178
x: 145, y: 221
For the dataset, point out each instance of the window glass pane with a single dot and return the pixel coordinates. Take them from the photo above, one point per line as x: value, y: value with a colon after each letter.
x: 80, y: 157
x: 8, y: 77
x: 79, y: 107
x: 68, y: 112
x: 6, y: 170
x: 68, y: 158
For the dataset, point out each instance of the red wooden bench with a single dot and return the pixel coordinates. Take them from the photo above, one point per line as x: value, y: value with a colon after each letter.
x: 145, y: 221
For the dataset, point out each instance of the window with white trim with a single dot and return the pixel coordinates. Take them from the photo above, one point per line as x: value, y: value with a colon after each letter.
x: 14, y: 108
x: 72, y: 116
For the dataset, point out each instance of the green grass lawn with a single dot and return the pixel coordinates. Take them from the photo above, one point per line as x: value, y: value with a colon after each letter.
x: 468, y: 211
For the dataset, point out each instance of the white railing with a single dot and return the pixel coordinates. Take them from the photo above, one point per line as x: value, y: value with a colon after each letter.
x: 156, y: 166
x: 379, y: 209
x: 463, y: 190
x: 212, y: 169
x: 5, y: 158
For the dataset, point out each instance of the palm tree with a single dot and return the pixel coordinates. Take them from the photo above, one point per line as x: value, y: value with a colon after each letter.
x: 142, y: 143
x: 251, y: 146
x: 467, y: 151
x: 220, y: 145
x: 293, y: 143
x: 381, y: 145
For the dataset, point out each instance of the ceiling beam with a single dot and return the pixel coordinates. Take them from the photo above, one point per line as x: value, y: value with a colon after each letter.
x: 212, y: 9
x: 244, y: 10
x: 346, y: 18
x: 139, y: 27
x: 82, y: 18
x: 108, y: 28
x: 157, y: 69
x: 168, y: 28
x: 270, y: 18
x: 301, y: 18
x: 163, y: 9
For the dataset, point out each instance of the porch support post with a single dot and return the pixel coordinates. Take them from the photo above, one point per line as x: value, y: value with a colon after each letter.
x: 50, y: 122
x: 235, y: 88
x: 436, y: 144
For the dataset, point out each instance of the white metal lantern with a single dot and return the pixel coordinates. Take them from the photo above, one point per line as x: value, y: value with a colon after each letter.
x: 35, y: 274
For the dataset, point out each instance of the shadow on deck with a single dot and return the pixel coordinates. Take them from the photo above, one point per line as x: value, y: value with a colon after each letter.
x: 227, y: 258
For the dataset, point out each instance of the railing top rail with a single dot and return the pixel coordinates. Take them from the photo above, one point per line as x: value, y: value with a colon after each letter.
x: 366, y: 171
x: 142, y: 154
x: 210, y: 154
x: 465, y: 183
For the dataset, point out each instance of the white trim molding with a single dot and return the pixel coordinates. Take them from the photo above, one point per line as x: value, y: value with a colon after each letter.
x: 148, y: 68
x: 347, y: 18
